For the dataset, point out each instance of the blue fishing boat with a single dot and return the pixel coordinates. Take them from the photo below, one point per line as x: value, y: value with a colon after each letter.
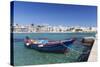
x: 58, y: 46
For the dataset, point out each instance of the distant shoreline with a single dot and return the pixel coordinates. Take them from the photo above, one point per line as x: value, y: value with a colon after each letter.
x: 54, y: 32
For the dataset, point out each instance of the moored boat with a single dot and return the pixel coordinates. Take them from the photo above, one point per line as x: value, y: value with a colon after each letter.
x: 59, y: 46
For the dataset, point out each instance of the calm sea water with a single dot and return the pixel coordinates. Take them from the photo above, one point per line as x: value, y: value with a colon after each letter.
x: 25, y: 56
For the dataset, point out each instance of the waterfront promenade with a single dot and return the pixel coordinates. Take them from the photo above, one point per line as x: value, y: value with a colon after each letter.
x: 93, y: 54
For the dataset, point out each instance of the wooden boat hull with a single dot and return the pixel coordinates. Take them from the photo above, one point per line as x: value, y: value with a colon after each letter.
x: 58, y: 48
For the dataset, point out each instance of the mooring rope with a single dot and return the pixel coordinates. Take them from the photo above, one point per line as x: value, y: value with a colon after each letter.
x: 75, y: 50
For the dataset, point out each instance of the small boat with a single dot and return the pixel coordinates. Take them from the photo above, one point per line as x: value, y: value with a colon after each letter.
x: 88, y: 41
x: 58, y: 46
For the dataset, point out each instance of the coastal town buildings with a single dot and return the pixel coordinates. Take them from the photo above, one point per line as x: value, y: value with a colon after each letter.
x: 48, y: 28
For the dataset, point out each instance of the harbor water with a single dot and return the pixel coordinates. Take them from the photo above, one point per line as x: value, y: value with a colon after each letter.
x: 25, y: 56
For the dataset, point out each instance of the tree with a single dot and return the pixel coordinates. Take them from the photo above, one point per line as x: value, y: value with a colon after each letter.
x: 32, y: 24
